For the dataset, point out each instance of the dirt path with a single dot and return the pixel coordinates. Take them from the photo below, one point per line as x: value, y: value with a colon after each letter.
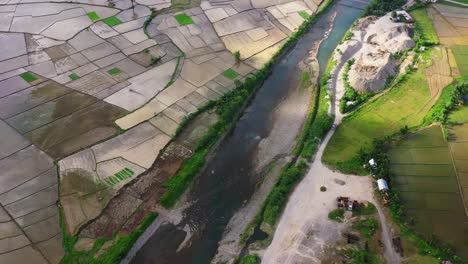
x: 304, y: 232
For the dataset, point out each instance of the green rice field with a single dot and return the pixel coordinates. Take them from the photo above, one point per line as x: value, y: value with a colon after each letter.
x: 425, y: 175
x: 461, y: 57
x: 424, y: 26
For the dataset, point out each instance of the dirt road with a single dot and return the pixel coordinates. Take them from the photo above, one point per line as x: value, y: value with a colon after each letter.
x: 304, y: 231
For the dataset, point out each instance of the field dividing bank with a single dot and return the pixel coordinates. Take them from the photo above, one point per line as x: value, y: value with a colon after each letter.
x: 405, y: 104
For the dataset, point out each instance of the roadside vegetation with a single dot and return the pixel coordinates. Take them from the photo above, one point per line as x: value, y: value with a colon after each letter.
x: 351, y: 99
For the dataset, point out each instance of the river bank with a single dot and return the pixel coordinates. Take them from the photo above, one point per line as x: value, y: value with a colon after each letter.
x: 208, y: 215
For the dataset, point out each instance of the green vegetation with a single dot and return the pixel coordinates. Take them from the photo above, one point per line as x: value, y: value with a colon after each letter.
x: 351, y: 95
x: 367, y: 227
x: 183, y: 19
x: 227, y: 107
x: 424, y: 27
x: 277, y: 198
x: 112, y: 21
x: 451, y: 97
x: 230, y: 74
x: 461, y: 1
x: 119, y: 176
x: 405, y: 104
x: 459, y: 115
x: 29, y: 77
x: 303, y: 14
x: 148, y: 21
x: 122, y: 244
x: 337, y: 215
x: 74, y: 76
x: 237, y: 56
x: 114, y: 71
x: 93, y: 16
x: 381, y: 7
x: 356, y: 256
x: 370, y: 209
x: 318, y: 121
x: 250, y: 259
x: 461, y: 57
x: 155, y: 60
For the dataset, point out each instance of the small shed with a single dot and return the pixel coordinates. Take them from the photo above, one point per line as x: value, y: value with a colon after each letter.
x: 382, y: 184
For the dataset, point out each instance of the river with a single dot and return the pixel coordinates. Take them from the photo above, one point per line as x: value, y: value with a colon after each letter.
x: 230, y: 178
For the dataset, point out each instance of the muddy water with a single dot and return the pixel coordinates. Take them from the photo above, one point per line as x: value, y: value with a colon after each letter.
x: 228, y: 180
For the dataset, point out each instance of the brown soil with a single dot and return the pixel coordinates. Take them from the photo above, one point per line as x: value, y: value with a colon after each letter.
x: 136, y: 200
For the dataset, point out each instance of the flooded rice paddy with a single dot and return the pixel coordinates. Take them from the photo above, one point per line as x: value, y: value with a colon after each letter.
x: 425, y: 166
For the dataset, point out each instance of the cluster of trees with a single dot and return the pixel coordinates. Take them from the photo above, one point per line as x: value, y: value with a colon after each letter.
x: 381, y: 7
x: 351, y: 95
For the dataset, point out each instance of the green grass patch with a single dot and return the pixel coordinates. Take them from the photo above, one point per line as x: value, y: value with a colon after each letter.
x: 460, y: 52
x: 461, y: 1
x: 183, y: 19
x: 93, y: 16
x: 303, y: 14
x: 29, y: 77
x: 230, y: 74
x: 424, y: 27
x: 74, y: 76
x: 112, y: 21
x: 367, y: 227
x: 405, y: 104
x: 250, y: 259
x: 370, y: 209
x: 114, y: 71
x: 337, y: 215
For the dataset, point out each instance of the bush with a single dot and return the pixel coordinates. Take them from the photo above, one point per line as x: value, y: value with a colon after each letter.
x: 366, y: 227
x: 370, y: 209
x: 351, y: 95
x: 337, y: 215
x: 237, y: 56
x: 250, y: 259
x: 323, y: 188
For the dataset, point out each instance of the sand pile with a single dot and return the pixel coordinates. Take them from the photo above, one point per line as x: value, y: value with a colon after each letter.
x: 373, y: 43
